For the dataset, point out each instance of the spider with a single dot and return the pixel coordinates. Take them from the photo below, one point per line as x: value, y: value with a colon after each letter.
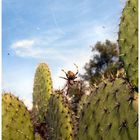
x: 70, y: 76
x: 71, y: 83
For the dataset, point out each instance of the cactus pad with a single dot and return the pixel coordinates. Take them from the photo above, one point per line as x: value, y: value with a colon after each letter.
x: 16, y: 123
x: 59, y: 119
x: 128, y: 40
x: 110, y: 113
x: 41, y: 92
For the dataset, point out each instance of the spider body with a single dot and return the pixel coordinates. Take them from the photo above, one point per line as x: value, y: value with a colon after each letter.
x: 70, y: 75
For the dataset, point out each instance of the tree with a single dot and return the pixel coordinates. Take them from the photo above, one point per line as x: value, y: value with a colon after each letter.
x: 105, y: 60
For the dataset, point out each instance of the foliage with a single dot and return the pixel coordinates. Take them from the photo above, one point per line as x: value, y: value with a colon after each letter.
x: 104, y: 61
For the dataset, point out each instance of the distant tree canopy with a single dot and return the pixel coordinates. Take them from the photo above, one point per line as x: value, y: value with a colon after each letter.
x: 105, y: 60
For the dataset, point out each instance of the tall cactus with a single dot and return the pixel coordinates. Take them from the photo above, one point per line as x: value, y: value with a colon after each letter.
x: 128, y: 40
x: 41, y: 92
x: 60, y: 119
x: 16, y: 123
x: 110, y: 113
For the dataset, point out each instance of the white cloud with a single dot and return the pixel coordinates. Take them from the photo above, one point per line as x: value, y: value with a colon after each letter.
x: 23, y: 44
x: 39, y: 50
x: 42, y: 46
x: 55, y: 45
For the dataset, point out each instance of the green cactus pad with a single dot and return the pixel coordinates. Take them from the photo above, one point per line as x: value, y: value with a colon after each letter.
x: 110, y: 113
x: 41, y: 92
x: 128, y: 40
x: 16, y: 123
x: 60, y: 119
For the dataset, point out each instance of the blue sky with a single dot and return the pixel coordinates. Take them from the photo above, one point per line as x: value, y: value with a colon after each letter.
x: 57, y: 32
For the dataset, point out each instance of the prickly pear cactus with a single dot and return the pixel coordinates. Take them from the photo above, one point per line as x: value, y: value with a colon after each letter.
x: 16, y: 123
x: 128, y: 40
x: 110, y: 113
x: 60, y: 119
x: 41, y: 92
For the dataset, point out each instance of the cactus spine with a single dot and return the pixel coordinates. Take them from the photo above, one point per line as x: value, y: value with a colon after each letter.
x: 42, y: 91
x: 16, y: 123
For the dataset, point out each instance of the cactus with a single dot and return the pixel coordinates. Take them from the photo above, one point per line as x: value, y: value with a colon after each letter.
x: 41, y: 92
x: 128, y: 40
x: 110, y: 113
x: 16, y: 123
x: 60, y: 119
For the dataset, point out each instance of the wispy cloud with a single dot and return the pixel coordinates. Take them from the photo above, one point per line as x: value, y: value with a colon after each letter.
x: 34, y: 48
x: 55, y: 44
x: 23, y: 44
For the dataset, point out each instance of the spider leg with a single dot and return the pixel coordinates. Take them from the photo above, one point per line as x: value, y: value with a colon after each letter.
x: 63, y: 78
x: 77, y: 69
x: 64, y: 71
x: 75, y: 77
